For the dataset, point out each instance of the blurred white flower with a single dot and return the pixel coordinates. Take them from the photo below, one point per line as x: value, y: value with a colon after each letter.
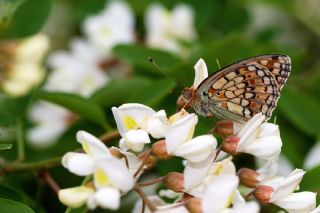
x: 312, y: 159
x: 114, y: 25
x: 259, y: 139
x: 167, y: 30
x: 24, y: 64
x: 135, y: 121
x: 77, y: 71
x: 50, y: 122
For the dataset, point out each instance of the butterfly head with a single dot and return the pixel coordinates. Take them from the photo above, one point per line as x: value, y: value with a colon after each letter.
x: 185, y: 99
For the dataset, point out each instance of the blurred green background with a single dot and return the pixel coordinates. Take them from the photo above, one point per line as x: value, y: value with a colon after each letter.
x: 228, y: 30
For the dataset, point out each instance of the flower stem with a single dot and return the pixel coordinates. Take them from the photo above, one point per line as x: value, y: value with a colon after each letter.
x: 45, y: 164
x: 148, y: 153
x: 144, y: 198
x: 106, y: 137
x: 48, y: 179
x: 20, y: 140
x: 154, y: 181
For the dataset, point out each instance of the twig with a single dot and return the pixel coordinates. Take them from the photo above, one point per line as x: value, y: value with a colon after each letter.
x: 48, y: 179
x: 144, y: 198
x: 248, y: 195
x: 20, y: 140
x: 148, y: 153
x: 106, y: 137
x: 143, y: 207
x: 154, y: 181
x: 45, y: 164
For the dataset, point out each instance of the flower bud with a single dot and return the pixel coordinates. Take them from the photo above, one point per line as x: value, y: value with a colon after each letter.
x: 194, y: 205
x: 248, y: 177
x: 150, y: 162
x: 116, y: 153
x: 174, y: 181
x: 230, y: 144
x: 263, y: 193
x: 159, y: 149
x: 224, y: 128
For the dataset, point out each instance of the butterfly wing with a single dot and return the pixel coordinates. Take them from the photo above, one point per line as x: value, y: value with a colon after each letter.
x: 238, y: 92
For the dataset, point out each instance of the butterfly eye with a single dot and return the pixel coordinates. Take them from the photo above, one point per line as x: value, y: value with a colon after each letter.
x: 187, y: 94
x: 204, y: 93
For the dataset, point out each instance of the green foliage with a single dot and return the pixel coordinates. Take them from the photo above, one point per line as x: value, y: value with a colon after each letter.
x: 10, y: 206
x: 5, y: 146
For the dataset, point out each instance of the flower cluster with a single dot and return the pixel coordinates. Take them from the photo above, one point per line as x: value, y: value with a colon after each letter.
x: 209, y: 183
x: 89, y: 64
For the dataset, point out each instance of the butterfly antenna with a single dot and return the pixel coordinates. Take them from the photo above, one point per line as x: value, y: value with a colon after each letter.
x: 217, y: 60
x: 275, y: 120
x: 161, y: 70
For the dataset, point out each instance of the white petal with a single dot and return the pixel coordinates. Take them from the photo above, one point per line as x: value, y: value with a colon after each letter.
x: 316, y: 210
x: 158, y: 124
x: 237, y: 199
x: 268, y: 170
x: 288, y: 185
x: 250, y: 131
x: 268, y: 129
x: 112, y: 172
x: 201, y: 72
x: 197, y: 149
x: 180, y: 131
x: 266, y: 148
x: 251, y: 207
x: 75, y: 197
x: 313, y: 157
x: 298, y: 202
x: 131, y: 116
x: 123, y: 145
x: 219, y: 193
x: 92, y: 145
x: 78, y: 163
x: 136, y: 139
x: 156, y: 200
x: 108, y: 198
x: 194, y: 173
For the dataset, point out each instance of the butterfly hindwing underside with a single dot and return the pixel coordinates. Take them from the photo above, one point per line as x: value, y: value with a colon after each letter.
x: 245, y: 88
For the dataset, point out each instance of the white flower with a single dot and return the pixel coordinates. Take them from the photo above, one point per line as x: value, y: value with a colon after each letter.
x: 166, y: 30
x: 218, y: 195
x: 313, y: 157
x: 259, y: 139
x: 134, y: 121
x: 197, y: 176
x: 156, y: 200
x: 50, y: 121
x: 77, y: 71
x: 114, y: 25
x: 83, y: 164
x: 25, y: 66
x: 76, y: 196
x: 201, y: 73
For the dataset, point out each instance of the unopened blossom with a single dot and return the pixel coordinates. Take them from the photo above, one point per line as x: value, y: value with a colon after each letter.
x: 75, y: 197
x: 257, y: 138
x: 280, y: 191
x: 114, y: 25
x: 23, y: 65
x: 49, y: 121
x: 135, y: 122
x: 166, y: 30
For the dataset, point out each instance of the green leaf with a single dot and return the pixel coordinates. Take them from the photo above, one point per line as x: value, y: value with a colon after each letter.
x: 29, y: 18
x: 138, y: 55
x: 153, y: 93
x: 7, y: 9
x: 4, y: 146
x: 118, y: 91
x: 310, y: 180
x: 301, y: 109
x: 81, y: 106
x: 81, y: 209
x: 10, y: 206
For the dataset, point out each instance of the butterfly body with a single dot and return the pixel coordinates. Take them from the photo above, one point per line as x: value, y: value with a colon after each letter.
x: 241, y: 90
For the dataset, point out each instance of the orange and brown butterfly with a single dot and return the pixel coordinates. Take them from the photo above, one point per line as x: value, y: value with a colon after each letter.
x: 239, y: 91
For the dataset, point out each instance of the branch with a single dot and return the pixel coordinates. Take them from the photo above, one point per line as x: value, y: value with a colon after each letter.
x: 144, y: 198
x: 106, y: 137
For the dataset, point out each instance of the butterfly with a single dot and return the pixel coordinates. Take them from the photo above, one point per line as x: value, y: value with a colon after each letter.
x: 239, y: 91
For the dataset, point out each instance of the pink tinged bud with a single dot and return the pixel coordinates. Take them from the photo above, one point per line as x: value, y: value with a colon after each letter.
x: 263, y: 193
x: 150, y: 161
x: 159, y: 150
x: 174, y: 181
x: 194, y: 205
x: 224, y: 128
x: 230, y: 144
x: 248, y: 177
